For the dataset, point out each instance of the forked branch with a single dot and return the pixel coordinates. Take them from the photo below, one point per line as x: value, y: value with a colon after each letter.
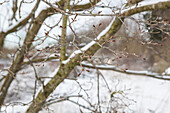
x: 90, y: 49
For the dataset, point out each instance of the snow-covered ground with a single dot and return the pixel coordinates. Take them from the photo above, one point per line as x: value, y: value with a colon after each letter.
x: 130, y: 93
x: 140, y: 94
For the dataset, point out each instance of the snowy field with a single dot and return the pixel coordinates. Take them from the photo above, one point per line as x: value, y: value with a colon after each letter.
x: 130, y: 93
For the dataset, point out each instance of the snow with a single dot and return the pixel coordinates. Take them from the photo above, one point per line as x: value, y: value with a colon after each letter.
x: 140, y: 93
x: 14, y: 40
x: 150, y: 94
x: 107, y: 29
x: 149, y: 2
x: 86, y: 47
x: 147, y: 92
x: 14, y: 109
x: 51, y: 75
x: 167, y: 71
x: 6, y: 14
x: 164, y: 75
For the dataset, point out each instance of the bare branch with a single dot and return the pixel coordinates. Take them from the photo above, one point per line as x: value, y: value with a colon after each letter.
x: 75, y: 7
x: 63, y: 35
x: 14, y: 28
x: 84, y: 6
x: 24, y: 21
x: 74, y: 60
x: 15, y: 67
x: 40, y: 60
x: 130, y: 72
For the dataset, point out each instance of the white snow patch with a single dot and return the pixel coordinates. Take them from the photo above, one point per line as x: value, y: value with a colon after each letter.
x: 143, y: 94
x: 167, y: 71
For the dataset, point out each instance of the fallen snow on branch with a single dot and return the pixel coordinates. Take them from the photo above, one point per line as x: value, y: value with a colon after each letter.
x: 149, y: 2
x: 85, y: 48
x: 114, y: 68
x: 141, y: 4
x: 148, y: 93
